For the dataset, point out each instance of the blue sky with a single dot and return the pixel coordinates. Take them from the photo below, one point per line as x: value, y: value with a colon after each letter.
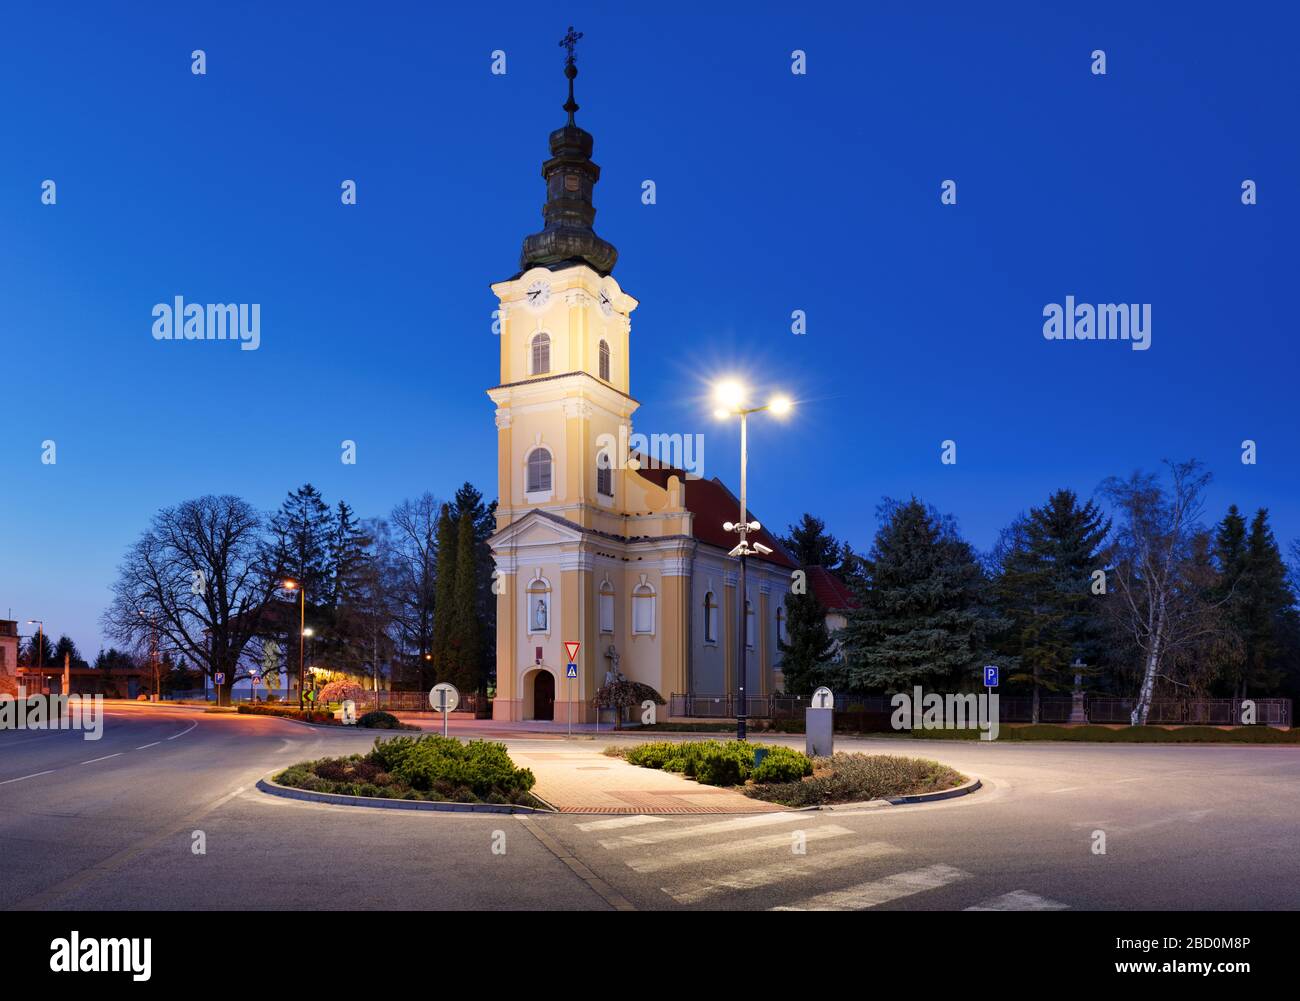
x: 775, y: 192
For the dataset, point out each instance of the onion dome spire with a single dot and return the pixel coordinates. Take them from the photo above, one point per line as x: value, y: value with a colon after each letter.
x: 567, y: 235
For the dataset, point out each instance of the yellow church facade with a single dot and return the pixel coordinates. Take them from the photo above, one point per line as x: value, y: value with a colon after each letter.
x: 594, y: 546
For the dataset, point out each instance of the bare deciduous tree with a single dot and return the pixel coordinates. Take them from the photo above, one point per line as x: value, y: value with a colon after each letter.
x: 201, y: 576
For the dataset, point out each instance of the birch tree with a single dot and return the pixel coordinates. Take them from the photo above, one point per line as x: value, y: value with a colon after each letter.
x: 1162, y: 605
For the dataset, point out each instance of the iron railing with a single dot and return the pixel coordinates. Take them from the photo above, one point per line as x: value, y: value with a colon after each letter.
x: 1011, y: 709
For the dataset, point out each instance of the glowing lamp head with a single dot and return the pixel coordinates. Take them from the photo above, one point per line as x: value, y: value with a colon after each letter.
x: 289, y: 585
x: 729, y: 394
x: 780, y: 405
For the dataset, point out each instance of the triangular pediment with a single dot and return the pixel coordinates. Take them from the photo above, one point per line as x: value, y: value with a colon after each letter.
x: 536, y: 529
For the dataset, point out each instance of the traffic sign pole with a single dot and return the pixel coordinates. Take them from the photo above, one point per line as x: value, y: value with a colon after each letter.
x: 571, y: 647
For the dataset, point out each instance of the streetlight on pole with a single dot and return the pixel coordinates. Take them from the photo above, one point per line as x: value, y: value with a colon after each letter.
x: 731, y: 398
x: 292, y: 585
x: 40, y: 647
x: 40, y: 641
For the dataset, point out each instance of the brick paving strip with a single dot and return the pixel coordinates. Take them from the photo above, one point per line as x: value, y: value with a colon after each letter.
x: 590, y: 782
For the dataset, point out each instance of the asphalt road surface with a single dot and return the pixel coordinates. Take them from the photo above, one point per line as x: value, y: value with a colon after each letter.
x: 112, y: 824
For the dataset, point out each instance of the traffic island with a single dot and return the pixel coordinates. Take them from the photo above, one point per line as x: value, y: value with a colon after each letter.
x: 781, y: 775
x: 427, y: 769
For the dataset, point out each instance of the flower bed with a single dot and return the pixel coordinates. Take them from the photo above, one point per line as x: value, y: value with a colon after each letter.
x: 305, y: 715
x: 789, y: 777
x: 855, y: 778
x: 430, y: 767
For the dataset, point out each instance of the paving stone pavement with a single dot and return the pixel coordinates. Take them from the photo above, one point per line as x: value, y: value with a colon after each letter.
x: 576, y: 781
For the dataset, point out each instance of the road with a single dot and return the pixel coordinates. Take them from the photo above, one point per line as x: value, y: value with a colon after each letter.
x: 112, y: 824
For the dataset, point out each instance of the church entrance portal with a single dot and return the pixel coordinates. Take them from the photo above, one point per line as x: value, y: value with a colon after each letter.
x: 544, y: 695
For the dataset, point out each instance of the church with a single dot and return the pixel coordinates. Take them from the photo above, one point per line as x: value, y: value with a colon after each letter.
x: 615, y: 552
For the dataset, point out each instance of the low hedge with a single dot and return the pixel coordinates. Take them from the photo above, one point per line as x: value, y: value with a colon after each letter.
x: 377, y: 719
x: 430, y: 767
x: 305, y: 715
x: 716, y: 762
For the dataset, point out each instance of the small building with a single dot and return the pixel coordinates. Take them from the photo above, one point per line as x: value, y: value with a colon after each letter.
x: 8, y: 657
x: 836, y: 597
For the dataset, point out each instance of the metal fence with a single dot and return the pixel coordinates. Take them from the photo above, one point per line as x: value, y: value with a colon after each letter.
x: 1014, y: 709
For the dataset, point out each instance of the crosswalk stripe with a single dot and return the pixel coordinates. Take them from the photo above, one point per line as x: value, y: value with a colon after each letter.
x: 698, y: 830
x: 881, y: 891
x: 1019, y: 900
x: 767, y: 875
x: 605, y: 825
x: 690, y: 856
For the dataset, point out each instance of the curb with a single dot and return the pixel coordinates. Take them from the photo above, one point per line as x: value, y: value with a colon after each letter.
x: 924, y: 797
x: 275, y: 789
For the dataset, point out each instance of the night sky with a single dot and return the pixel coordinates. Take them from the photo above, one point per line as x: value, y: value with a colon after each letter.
x: 775, y: 192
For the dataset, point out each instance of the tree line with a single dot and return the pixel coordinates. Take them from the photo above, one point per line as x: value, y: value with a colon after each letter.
x: 1131, y: 589
x: 404, y: 599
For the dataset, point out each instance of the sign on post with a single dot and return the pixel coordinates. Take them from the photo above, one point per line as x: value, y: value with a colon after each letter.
x: 990, y: 676
x: 219, y: 678
x: 444, y: 698
x: 819, y: 724
x: 570, y: 672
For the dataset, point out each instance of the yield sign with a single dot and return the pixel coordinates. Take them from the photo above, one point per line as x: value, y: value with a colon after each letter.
x: 572, y: 648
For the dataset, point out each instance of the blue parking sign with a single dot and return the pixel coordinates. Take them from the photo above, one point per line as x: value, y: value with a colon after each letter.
x: 990, y: 676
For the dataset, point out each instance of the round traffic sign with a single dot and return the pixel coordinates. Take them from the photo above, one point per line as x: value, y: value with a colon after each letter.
x: 444, y: 697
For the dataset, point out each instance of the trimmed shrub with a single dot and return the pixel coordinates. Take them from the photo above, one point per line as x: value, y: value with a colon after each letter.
x: 783, y: 764
x: 377, y: 719
x: 481, y: 766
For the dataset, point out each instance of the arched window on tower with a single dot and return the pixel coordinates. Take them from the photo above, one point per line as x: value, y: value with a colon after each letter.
x: 604, y: 474
x: 541, y: 354
x: 539, y: 471
x: 604, y: 360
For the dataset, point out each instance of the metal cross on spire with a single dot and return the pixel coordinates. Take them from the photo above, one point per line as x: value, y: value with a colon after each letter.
x: 570, y: 69
x: 569, y: 41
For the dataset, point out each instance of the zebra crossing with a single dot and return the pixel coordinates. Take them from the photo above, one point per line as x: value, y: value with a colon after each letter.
x: 783, y: 853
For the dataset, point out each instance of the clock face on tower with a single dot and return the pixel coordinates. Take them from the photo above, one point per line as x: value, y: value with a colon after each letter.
x: 538, y: 294
x: 606, y: 304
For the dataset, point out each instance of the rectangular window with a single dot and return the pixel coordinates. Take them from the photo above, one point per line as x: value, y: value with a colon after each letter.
x: 606, y: 613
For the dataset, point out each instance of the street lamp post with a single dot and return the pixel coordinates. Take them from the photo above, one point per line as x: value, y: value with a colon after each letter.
x: 731, y: 403
x: 290, y: 585
x: 40, y: 648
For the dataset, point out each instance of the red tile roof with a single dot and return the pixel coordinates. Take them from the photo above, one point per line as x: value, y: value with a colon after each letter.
x: 833, y: 593
x: 712, y: 504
